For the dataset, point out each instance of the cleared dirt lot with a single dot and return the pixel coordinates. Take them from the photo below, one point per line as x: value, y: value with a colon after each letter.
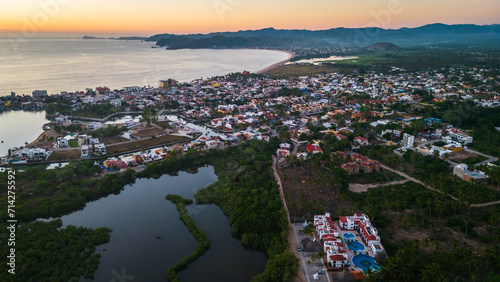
x: 459, y: 156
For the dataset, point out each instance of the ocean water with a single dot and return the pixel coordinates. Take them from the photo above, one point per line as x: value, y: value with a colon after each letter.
x: 59, y: 65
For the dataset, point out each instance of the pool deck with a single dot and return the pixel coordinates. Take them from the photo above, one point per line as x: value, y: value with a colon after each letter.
x: 366, y: 251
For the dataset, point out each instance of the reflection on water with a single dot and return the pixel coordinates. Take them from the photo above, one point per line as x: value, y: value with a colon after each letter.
x: 140, y: 215
x: 19, y: 127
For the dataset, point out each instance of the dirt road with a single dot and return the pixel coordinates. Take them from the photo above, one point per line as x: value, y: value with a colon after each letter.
x: 430, y: 188
x: 292, y: 240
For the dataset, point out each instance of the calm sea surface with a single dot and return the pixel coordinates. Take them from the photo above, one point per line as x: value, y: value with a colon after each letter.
x: 140, y: 213
x: 59, y: 65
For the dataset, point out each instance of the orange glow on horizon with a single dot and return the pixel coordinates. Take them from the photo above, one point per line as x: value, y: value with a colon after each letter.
x: 162, y: 16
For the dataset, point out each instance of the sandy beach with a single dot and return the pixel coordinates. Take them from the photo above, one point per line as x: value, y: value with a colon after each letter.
x: 278, y: 64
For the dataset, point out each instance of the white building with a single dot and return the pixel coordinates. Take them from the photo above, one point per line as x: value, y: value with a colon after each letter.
x: 100, y: 149
x: 128, y: 135
x: 61, y: 119
x: 462, y: 138
x: 85, y: 151
x: 39, y: 93
x: 367, y: 232
x: 212, y: 144
x: 116, y: 102
x: 62, y: 142
x: 94, y: 125
x: 35, y: 154
x: 408, y: 140
x: 463, y: 172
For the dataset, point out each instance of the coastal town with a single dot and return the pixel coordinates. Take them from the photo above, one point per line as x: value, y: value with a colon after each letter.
x: 261, y: 141
x: 247, y: 106
x: 135, y: 126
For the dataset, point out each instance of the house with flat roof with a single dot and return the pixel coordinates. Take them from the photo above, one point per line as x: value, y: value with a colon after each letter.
x: 62, y: 142
x: 464, y: 173
x: 33, y: 154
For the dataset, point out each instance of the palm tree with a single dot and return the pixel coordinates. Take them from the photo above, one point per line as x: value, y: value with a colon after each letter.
x: 465, y: 220
x: 426, y: 274
x: 435, y: 271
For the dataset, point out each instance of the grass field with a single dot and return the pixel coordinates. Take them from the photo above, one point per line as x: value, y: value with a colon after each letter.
x: 117, y: 149
x: 145, y: 143
x: 383, y: 61
x: 73, y: 143
x: 301, y: 69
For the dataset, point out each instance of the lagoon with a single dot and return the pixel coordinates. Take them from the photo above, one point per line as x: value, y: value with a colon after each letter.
x: 140, y: 214
x: 18, y: 127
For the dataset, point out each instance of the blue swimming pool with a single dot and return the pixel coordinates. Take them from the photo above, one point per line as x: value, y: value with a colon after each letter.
x: 365, y: 262
x: 348, y: 235
x: 355, y: 246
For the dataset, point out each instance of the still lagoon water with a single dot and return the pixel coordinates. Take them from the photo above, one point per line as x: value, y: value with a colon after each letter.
x: 140, y: 214
x: 18, y: 127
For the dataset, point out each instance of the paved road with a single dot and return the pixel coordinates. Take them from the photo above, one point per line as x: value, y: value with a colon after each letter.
x: 490, y: 158
x: 303, y: 266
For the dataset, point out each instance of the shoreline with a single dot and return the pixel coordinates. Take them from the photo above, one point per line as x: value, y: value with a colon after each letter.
x: 5, y: 93
x: 278, y: 64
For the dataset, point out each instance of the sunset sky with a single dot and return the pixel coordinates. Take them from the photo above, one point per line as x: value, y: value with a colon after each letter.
x: 192, y: 16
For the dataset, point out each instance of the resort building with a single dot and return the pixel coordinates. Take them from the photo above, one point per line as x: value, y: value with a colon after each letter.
x: 333, y: 247
x: 368, y: 233
x: 342, y: 247
x: 325, y: 226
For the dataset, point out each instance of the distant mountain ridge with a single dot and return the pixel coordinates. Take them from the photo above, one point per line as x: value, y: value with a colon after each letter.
x: 349, y: 37
x: 383, y: 46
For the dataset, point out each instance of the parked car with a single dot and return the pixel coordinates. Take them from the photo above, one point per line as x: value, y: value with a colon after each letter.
x: 321, y: 272
x: 319, y: 264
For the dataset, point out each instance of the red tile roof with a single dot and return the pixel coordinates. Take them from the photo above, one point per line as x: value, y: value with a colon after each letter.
x: 337, y: 258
